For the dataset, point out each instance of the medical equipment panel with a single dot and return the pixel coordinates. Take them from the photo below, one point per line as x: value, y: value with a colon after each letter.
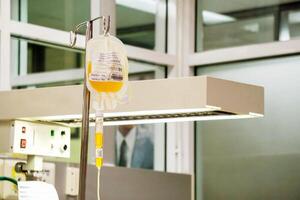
x: 35, y: 138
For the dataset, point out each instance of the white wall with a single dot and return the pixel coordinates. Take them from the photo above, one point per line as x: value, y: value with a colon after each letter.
x: 256, y: 158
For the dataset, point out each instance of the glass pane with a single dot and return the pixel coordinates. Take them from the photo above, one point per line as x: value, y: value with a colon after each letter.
x: 58, y: 14
x: 30, y: 57
x: 133, y: 146
x: 145, y: 146
x: 233, y: 23
x: 141, y: 23
x: 241, y: 32
x: 36, y: 57
x: 253, y: 158
x: 293, y: 24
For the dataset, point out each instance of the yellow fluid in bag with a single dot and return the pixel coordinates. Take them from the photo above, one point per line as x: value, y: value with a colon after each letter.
x: 104, y: 86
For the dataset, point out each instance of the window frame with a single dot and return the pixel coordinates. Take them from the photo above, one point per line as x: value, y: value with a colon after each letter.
x: 10, y: 28
x: 280, y: 47
x: 180, y: 59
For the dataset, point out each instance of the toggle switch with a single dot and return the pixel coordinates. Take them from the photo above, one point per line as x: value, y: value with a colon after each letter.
x: 23, y: 143
x: 64, y: 148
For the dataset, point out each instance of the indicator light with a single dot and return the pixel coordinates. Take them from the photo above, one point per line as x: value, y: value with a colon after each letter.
x: 23, y: 143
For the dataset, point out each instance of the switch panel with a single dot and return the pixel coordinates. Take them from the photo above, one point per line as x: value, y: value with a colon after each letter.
x: 35, y: 138
x: 72, y: 181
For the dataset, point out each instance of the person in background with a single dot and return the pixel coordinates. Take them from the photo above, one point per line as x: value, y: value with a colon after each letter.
x: 134, y: 147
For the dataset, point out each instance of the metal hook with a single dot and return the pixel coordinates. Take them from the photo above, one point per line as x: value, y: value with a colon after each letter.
x: 106, y: 27
x: 73, y: 33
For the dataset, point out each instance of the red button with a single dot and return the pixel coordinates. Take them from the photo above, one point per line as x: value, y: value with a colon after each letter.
x: 23, y: 129
x: 23, y: 143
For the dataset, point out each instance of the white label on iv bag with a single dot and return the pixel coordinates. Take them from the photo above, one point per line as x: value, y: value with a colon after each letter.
x: 106, y: 67
x: 99, y: 153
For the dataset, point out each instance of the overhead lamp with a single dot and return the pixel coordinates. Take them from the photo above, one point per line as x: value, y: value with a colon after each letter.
x: 151, y: 101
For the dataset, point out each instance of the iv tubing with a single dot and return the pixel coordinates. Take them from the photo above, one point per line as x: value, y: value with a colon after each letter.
x: 99, y: 146
x: 98, y: 184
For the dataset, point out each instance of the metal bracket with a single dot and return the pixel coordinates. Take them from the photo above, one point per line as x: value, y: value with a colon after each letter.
x: 106, y: 28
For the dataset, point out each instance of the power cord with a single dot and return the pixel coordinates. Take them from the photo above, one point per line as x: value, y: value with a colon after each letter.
x: 5, y: 178
x: 98, y: 183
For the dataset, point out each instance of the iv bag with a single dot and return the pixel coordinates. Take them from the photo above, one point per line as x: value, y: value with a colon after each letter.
x: 106, y: 71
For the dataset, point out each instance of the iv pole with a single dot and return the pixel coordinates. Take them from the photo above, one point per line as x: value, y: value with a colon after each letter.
x: 86, y: 103
x: 85, y: 123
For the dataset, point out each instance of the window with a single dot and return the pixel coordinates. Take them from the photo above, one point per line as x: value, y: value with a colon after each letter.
x: 34, y: 58
x: 37, y: 57
x: 57, y: 14
x: 141, y: 23
x: 236, y: 23
x: 290, y: 24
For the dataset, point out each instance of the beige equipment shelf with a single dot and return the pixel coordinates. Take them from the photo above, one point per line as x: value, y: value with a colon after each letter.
x: 151, y: 101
